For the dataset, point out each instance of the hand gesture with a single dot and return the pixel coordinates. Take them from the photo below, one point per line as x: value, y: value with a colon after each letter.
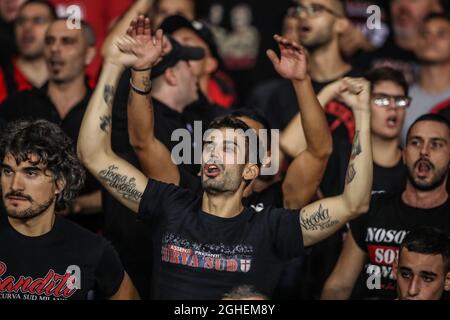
x: 355, y: 92
x: 138, y: 48
x: 292, y: 63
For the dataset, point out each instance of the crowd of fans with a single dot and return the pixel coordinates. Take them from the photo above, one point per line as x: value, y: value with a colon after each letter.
x: 340, y: 116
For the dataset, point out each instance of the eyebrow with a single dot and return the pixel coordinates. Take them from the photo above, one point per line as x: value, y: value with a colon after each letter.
x: 35, y: 168
x: 428, y: 273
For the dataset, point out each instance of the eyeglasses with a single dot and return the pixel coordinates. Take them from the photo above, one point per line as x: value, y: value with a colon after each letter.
x: 312, y: 10
x: 20, y: 21
x: 384, y: 100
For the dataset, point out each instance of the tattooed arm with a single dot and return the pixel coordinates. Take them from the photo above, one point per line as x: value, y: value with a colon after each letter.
x: 121, y: 179
x: 154, y: 157
x: 305, y: 172
x: 321, y: 219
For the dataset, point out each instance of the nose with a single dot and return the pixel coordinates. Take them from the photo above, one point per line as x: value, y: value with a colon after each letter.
x: 17, y: 183
x: 425, y: 149
x: 414, y: 287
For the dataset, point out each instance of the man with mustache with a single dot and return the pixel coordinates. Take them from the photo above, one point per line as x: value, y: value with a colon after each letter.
x: 27, y: 69
x: 374, y: 240
x: 205, y: 246
x: 63, y: 99
x: 42, y: 256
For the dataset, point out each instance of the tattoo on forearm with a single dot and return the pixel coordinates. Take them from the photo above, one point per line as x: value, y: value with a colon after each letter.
x: 356, y: 150
x: 108, y: 95
x: 124, y: 185
x: 105, y: 123
x: 351, y: 173
x: 147, y: 83
x: 319, y: 220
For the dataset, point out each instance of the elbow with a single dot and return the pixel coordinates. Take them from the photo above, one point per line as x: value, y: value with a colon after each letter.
x: 359, y: 209
x: 324, y: 151
x: 139, y: 144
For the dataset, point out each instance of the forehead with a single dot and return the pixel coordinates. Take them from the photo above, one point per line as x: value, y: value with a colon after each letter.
x: 225, y: 134
x: 11, y: 161
x: 59, y: 29
x: 430, y: 130
x: 35, y: 9
x: 175, y: 5
x: 388, y: 87
x: 421, y: 262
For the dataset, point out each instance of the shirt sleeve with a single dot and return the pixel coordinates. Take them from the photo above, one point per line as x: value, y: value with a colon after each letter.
x: 286, y: 233
x: 109, y: 273
x: 158, y: 197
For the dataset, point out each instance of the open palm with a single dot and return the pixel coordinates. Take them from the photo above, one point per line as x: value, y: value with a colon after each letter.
x: 148, y: 49
x: 292, y: 63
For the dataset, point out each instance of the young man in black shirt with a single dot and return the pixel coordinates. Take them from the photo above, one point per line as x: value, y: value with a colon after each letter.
x: 422, y: 269
x: 321, y: 24
x: 389, y: 104
x: 204, y: 246
x: 42, y: 256
x: 63, y: 99
x: 377, y: 236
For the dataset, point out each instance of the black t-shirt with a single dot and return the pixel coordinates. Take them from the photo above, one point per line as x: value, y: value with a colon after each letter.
x: 202, y: 256
x: 325, y: 254
x: 380, y: 232
x: 385, y: 179
x: 283, y: 107
x: 40, y: 268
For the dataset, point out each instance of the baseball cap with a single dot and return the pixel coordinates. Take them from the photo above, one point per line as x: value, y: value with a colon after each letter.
x: 176, y: 22
x: 178, y: 53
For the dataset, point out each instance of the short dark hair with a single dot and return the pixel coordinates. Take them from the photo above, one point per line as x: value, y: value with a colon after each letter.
x: 51, y: 8
x: 430, y: 117
x: 86, y: 28
x: 233, y: 122
x: 54, y: 149
x: 256, y: 116
x: 244, y: 292
x: 387, y: 74
x: 429, y: 240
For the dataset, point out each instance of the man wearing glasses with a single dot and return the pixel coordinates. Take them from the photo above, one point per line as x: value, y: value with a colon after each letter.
x: 389, y: 102
x: 373, y: 242
x: 29, y: 68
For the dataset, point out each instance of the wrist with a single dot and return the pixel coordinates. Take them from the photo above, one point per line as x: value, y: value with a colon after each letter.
x: 113, y: 65
x: 141, y: 69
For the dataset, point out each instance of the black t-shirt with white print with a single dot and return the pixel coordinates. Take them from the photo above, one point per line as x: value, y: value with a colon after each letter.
x: 380, y: 232
x: 201, y: 256
x: 67, y: 263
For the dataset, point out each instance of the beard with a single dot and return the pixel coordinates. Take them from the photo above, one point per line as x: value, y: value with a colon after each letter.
x: 437, y: 181
x: 221, y: 185
x: 34, y: 211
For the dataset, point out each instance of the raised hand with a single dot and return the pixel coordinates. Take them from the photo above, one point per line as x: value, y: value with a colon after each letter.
x: 138, y: 48
x: 292, y: 63
x: 149, y: 49
x: 355, y: 92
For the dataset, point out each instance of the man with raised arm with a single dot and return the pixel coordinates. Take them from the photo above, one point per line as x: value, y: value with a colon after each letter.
x: 206, y: 245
